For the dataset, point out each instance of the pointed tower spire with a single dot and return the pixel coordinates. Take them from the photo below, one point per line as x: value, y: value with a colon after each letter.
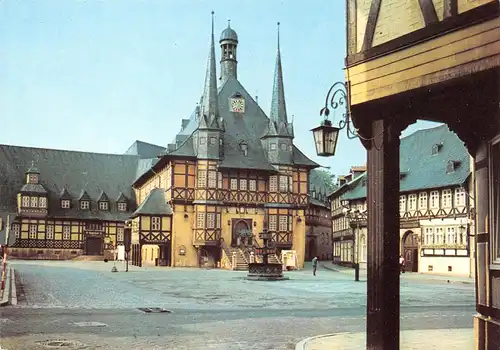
x: 209, y: 105
x: 278, y: 107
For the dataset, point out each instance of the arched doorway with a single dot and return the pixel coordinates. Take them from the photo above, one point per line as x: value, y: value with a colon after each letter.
x: 241, y: 232
x: 410, y: 251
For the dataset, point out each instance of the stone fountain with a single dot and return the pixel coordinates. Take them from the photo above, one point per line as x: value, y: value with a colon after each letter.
x: 265, y: 271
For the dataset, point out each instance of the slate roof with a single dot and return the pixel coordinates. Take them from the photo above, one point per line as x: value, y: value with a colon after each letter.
x: 144, y: 149
x: 317, y: 183
x: 422, y: 169
x: 154, y: 204
x: 79, y: 173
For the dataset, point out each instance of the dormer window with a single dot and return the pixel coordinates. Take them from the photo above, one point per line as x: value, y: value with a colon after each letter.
x: 436, y: 148
x: 33, y: 178
x: 84, y: 205
x: 25, y: 201
x: 273, y: 146
x: 103, y: 205
x: 244, y: 148
x: 65, y: 203
x: 122, y: 206
x: 452, y: 166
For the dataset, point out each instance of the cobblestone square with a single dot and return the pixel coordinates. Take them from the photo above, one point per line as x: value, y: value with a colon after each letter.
x: 211, y: 309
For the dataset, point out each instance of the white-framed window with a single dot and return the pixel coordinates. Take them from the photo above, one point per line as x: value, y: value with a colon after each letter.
x: 422, y: 201
x: 219, y: 180
x: 200, y: 220
x: 290, y: 184
x: 283, y: 223
x: 434, y: 202
x: 155, y: 223
x: 363, y: 249
x: 34, y: 202
x: 252, y: 185
x: 49, y: 232
x: 273, y: 183
x: 451, y: 237
x: 412, y: 202
x: 66, y: 232
x: 272, y: 223
x: 429, y: 236
x: 439, y: 236
x: 25, y: 201
x: 459, y: 197
x: 234, y: 184
x: 84, y: 205
x: 103, y: 205
x: 65, y: 203
x: 42, y: 202
x: 202, y: 178
x: 273, y: 146
x: 120, y: 234
x: 16, y: 230
x: 243, y: 184
x: 212, y: 179
x: 290, y: 223
x: 203, y: 140
x: 33, y: 178
x: 33, y: 231
x: 283, y: 183
x: 122, y: 206
x: 447, y: 198
x: 402, y: 204
x: 213, y: 141
x: 210, y: 220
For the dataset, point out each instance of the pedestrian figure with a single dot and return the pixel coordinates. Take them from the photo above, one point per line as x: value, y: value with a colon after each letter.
x: 315, y: 265
x: 402, y: 263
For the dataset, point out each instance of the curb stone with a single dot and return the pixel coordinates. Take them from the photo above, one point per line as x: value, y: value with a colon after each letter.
x: 301, y: 345
x: 7, y: 290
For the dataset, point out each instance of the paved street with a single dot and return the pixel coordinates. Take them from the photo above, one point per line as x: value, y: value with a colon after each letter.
x: 84, y: 303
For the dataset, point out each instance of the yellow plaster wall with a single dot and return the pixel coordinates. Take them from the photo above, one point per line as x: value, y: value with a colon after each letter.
x: 396, y: 18
x: 150, y: 252
x: 466, y: 5
x: 182, y: 235
x: 135, y: 230
x: 258, y: 219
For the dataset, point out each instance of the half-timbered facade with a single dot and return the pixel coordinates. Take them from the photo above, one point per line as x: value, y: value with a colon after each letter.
x: 435, y: 207
x: 231, y: 171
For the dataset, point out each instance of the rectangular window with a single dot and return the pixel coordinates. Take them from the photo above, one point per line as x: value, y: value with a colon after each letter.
x: 25, y: 201
x: 447, y: 198
x: 439, y: 236
x: 272, y: 223
x: 84, y: 205
x: 49, y: 232
x: 234, y: 184
x: 16, y: 229
x: 34, y: 202
x: 42, y: 202
x: 429, y: 236
x: 119, y: 234
x: 33, y: 230
x: 422, y: 201
x: 65, y: 203
x: 450, y: 235
x: 402, y: 204
x: 66, y: 232
x: 122, y: 206
x: 459, y: 197
x: 210, y: 220
x: 200, y: 220
x: 434, y: 200
x: 495, y: 196
x: 155, y: 223
x: 252, y: 185
x: 219, y: 180
x: 283, y: 183
x: 212, y: 179
x: 290, y: 184
x: 412, y: 202
x: 243, y: 184
x: 103, y: 205
x: 202, y: 178
x: 283, y: 223
x: 273, y: 183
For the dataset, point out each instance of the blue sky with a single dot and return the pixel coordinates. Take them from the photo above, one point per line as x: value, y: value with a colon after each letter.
x: 98, y: 75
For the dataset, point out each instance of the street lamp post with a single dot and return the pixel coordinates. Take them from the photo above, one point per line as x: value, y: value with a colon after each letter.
x: 354, y: 217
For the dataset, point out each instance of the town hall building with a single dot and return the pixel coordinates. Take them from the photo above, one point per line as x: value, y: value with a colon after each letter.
x: 231, y: 172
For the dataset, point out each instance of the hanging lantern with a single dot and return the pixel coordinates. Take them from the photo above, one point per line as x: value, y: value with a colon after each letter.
x: 325, y: 138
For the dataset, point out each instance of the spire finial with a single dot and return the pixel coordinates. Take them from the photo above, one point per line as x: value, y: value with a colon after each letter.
x: 278, y: 35
x: 229, y: 22
x: 213, y: 22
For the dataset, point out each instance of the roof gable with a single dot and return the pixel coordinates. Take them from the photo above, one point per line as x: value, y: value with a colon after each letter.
x: 154, y: 204
x: 144, y: 149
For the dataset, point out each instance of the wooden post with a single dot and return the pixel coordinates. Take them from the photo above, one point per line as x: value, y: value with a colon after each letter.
x: 382, y: 321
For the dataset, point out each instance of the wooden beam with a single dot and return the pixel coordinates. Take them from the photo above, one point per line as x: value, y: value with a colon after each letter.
x: 371, y: 24
x: 428, y: 11
x: 450, y: 8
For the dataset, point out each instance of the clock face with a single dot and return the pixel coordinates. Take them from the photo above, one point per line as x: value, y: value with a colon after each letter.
x: 237, y: 105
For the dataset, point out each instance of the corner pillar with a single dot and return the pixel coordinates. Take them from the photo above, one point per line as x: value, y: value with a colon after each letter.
x: 383, y: 304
